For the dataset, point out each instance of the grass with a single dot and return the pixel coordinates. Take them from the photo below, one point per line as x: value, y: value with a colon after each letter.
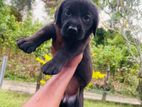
x: 103, y: 104
x: 16, y: 99
x: 12, y: 99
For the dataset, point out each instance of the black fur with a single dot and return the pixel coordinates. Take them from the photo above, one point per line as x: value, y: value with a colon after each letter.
x: 76, y: 19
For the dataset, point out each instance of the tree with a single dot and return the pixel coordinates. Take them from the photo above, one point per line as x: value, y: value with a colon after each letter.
x: 51, y: 3
x: 22, y: 4
x: 125, y: 17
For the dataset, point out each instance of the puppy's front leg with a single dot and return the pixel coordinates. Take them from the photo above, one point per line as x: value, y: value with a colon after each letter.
x: 29, y: 44
x: 54, y: 66
x: 61, y: 58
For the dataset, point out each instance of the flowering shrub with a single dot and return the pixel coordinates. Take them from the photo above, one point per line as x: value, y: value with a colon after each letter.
x: 46, y: 59
x: 96, y: 74
x: 45, y: 78
x: 43, y: 61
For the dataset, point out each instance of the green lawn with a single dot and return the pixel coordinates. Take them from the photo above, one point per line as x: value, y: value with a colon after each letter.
x: 101, y: 104
x: 14, y: 99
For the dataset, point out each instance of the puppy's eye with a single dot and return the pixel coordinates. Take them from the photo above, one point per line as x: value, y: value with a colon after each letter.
x: 86, y: 18
x: 68, y: 13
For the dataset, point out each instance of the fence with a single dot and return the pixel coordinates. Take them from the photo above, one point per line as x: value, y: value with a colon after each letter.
x: 2, y: 69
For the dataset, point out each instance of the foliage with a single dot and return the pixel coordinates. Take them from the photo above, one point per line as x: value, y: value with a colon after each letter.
x: 112, y: 51
x: 44, y: 49
x: 21, y: 67
x: 109, y: 48
x: 108, y: 55
x: 20, y: 4
x: 125, y: 84
x: 11, y: 29
x: 95, y: 75
x: 125, y: 17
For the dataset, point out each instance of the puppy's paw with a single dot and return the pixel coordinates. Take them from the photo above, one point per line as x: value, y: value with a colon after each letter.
x: 51, y: 68
x: 26, y: 45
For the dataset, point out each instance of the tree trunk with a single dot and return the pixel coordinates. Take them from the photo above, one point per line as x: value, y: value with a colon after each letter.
x: 38, y: 81
x: 106, y: 84
x: 139, y: 89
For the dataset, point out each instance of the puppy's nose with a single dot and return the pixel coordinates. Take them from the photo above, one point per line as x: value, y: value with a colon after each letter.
x: 72, y: 29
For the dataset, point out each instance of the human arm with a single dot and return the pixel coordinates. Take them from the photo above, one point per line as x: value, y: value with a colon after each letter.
x: 51, y: 94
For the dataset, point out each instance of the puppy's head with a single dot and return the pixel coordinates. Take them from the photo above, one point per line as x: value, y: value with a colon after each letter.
x: 76, y: 19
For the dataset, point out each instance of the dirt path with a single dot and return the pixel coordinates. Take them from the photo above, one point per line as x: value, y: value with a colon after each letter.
x: 30, y: 89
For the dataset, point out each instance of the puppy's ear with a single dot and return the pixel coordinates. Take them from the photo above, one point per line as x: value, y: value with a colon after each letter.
x: 58, y: 15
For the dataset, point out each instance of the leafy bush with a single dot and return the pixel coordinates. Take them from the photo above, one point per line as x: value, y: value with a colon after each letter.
x: 112, y: 52
x: 109, y: 50
x: 10, y: 31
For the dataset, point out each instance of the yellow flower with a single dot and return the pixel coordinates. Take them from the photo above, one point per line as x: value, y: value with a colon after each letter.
x: 47, y: 77
x: 98, y: 75
x: 40, y: 60
x: 42, y: 82
x: 47, y: 57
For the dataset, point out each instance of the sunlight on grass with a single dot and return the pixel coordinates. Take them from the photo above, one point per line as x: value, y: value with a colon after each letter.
x: 16, y: 99
x: 12, y: 99
x: 101, y: 104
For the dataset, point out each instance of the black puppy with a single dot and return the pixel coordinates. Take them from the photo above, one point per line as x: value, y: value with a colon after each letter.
x: 75, y: 20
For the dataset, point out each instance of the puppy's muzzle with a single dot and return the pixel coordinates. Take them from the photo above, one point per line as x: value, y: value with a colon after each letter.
x: 72, y: 30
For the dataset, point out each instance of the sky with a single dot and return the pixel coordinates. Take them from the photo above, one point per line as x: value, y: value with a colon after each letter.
x: 39, y: 12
